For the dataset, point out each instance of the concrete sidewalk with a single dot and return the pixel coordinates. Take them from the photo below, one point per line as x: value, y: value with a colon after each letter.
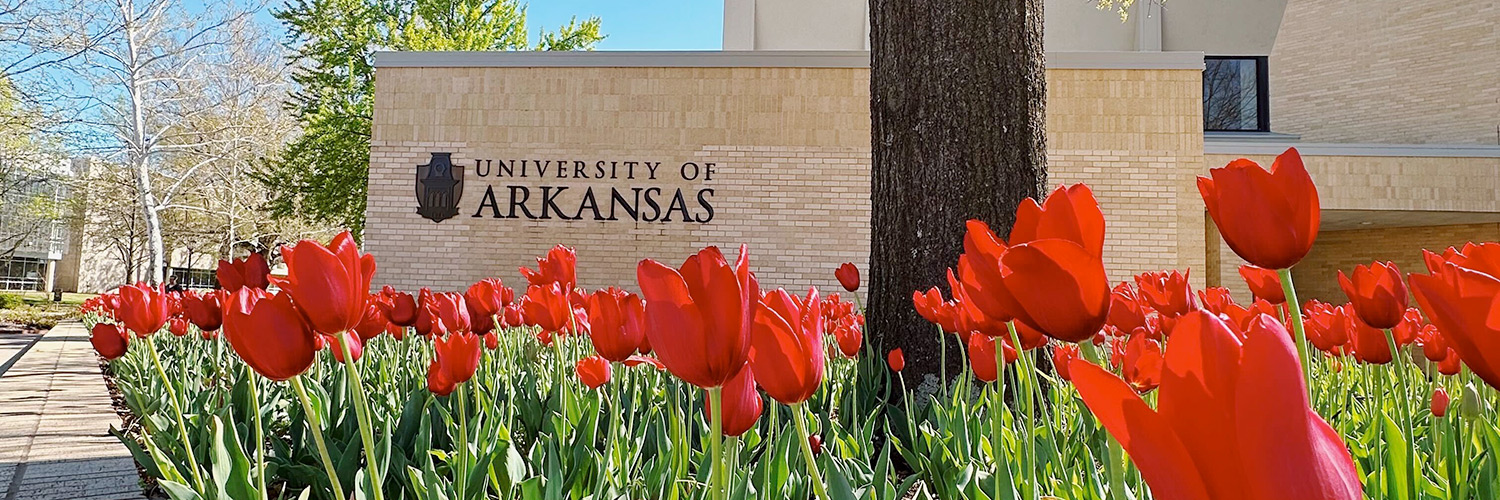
x: 55, y: 415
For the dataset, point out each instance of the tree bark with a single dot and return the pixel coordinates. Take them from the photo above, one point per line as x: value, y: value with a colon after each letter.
x: 957, y: 92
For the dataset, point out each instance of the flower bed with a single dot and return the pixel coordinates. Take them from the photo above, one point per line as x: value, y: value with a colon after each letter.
x: 707, y: 386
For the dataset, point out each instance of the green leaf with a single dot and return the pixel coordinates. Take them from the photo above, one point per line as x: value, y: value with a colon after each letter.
x: 178, y: 491
x: 1397, y: 464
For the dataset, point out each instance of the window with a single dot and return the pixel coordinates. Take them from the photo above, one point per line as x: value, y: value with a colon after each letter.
x: 1234, y: 94
x: 22, y: 273
x: 194, y: 278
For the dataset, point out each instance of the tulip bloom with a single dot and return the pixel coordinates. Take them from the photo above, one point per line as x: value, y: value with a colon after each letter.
x: 1459, y: 300
x: 328, y: 283
x: 547, y: 306
x: 1167, y: 292
x: 1127, y: 310
x: 1370, y: 344
x: 203, y: 310
x: 110, y: 340
x: 400, y: 307
x: 1070, y: 213
x: 1440, y: 402
x: 251, y: 271
x: 982, y: 356
x: 1376, y: 293
x: 617, y: 323
x: 1067, y: 294
x: 559, y: 266
x: 450, y: 314
x: 896, y: 360
x: 593, y: 371
x: 742, y: 404
x: 848, y: 276
x: 1142, y: 364
x: 849, y: 336
x: 1264, y: 283
x: 701, y: 316
x: 786, y: 347
x: 1062, y: 356
x: 455, y: 359
x: 178, y: 326
x: 144, y: 309
x: 1232, y: 419
x: 934, y: 309
x: 269, y: 334
x: 486, y: 299
x: 1270, y: 219
x: 1434, y: 348
x: 373, y: 322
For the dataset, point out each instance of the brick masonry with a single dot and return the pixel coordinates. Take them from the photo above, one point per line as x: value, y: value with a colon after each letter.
x: 1388, y: 71
x: 791, y: 148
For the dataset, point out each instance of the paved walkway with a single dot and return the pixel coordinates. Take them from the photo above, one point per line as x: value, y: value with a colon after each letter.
x: 55, y: 415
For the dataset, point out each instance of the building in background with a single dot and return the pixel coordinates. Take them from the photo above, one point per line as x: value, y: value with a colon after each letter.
x: 33, y: 222
x: 1394, y: 105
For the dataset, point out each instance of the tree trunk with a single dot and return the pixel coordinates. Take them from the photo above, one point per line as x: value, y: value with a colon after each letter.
x: 957, y: 91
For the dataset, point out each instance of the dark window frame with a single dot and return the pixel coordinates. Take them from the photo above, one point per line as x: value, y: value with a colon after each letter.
x: 1262, y: 92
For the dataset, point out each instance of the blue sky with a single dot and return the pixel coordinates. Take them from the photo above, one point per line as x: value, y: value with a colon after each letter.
x: 628, y: 24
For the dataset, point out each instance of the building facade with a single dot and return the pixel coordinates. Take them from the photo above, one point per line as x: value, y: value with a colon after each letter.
x: 767, y: 142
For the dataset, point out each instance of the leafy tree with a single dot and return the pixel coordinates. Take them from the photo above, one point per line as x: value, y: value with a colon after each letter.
x: 322, y: 173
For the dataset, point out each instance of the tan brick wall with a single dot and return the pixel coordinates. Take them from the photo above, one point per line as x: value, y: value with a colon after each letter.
x: 1388, y: 71
x: 1317, y: 275
x: 792, y: 153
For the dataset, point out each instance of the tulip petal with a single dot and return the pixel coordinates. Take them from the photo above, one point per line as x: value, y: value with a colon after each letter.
x: 1197, y: 397
x: 1153, y: 446
x: 676, y: 325
x: 1288, y: 451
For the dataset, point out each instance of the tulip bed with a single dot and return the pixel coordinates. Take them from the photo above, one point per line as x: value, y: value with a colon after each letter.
x: 706, y: 386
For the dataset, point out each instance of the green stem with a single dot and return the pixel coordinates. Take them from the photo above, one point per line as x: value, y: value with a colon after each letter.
x: 1116, y: 468
x: 1024, y: 382
x: 187, y: 446
x: 997, y: 422
x: 943, y: 358
x: 812, y: 464
x: 260, y: 439
x: 462, y: 445
x: 362, y: 412
x: 716, y: 444
x: 1295, y: 311
x: 1398, y: 362
x: 316, y: 426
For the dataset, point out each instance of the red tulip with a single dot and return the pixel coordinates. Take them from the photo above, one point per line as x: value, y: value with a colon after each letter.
x: 1167, y: 292
x: 1327, y: 327
x: 742, y: 404
x: 1460, y: 302
x: 1370, y: 344
x: 450, y: 314
x: 1142, y: 364
x: 593, y: 371
x: 178, y: 326
x: 203, y: 310
x: 144, y: 309
x: 1232, y: 421
x: 1451, y: 364
x: 110, y: 340
x: 896, y: 360
x: 617, y: 323
x: 491, y: 340
x: 1070, y: 213
x: 349, y: 338
x: 1376, y: 293
x: 455, y: 359
x: 328, y: 283
x: 512, y: 316
x: 547, y: 306
x: 1270, y: 219
x: 251, y: 271
x: 848, y: 276
x: 268, y: 333
x: 849, y: 336
x: 786, y: 346
x: 701, y: 316
x: 486, y: 299
x: 982, y: 356
x: 559, y: 266
x: 1264, y: 283
x: 815, y: 443
x: 934, y: 309
x: 373, y: 322
x: 1127, y: 310
x: 1434, y: 347
x: 1440, y: 402
x: 1067, y: 294
x: 1482, y: 257
x: 422, y: 322
x: 400, y: 307
x: 972, y: 319
x: 1062, y: 356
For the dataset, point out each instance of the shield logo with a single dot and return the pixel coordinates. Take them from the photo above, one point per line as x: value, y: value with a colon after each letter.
x: 439, y: 187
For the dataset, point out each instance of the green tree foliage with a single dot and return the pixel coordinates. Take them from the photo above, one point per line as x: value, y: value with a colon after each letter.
x: 321, y: 175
